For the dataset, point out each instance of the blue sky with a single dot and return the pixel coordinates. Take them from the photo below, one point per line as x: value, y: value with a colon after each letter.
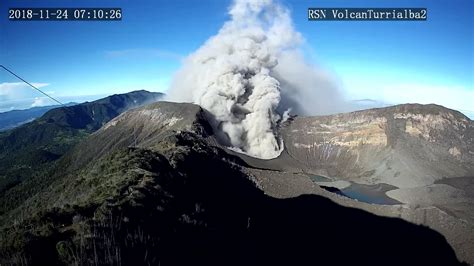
x: 390, y: 62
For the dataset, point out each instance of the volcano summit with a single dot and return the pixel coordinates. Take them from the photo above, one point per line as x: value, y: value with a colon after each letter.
x: 154, y: 185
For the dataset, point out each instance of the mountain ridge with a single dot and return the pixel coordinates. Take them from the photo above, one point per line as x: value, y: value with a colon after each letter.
x: 122, y: 172
x: 363, y: 136
x: 33, y: 146
x: 185, y: 201
x: 16, y: 118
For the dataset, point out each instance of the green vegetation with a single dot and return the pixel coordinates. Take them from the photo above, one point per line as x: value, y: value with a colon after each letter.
x: 121, y: 208
x: 29, y: 153
x: 178, y: 200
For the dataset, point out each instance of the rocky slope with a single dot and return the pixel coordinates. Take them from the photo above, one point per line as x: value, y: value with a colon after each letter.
x: 152, y: 186
x: 405, y: 145
x: 423, y: 154
x: 425, y: 151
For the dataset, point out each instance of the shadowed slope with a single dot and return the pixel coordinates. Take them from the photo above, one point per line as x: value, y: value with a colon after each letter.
x: 194, y: 206
x: 149, y: 188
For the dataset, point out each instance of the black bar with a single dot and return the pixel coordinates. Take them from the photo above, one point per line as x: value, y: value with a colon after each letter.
x: 367, y: 14
x: 65, y: 14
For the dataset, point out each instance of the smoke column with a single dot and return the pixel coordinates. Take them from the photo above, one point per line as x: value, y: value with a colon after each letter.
x: 238, y: 76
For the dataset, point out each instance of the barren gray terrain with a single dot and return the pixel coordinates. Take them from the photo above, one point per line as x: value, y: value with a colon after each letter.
x: 163, y: 163
x: 425, y: 153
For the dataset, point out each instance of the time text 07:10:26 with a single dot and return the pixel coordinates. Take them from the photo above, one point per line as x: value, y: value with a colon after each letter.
x: 65, y: 14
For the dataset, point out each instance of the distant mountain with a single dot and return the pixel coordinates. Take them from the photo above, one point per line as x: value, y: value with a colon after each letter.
x: 153, y: 187
x: 404, y: 145
x: 32, y: 147
x: 15, y: 118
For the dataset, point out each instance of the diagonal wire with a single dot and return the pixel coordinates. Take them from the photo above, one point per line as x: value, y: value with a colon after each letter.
x: 34, y: 87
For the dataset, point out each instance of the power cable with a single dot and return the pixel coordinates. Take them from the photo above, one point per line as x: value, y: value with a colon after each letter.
x: 11, y: 72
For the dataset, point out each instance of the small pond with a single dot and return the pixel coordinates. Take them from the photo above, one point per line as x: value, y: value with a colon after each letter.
x: 374, y: 194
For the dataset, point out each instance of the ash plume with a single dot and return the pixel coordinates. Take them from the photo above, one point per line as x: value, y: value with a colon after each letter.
x: 251, y: 72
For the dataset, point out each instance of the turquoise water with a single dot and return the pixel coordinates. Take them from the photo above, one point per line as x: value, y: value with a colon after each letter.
x: 374, y: 194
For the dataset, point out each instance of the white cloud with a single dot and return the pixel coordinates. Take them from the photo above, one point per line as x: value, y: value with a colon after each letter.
x: 20, y: 95
x: 42, y: 101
